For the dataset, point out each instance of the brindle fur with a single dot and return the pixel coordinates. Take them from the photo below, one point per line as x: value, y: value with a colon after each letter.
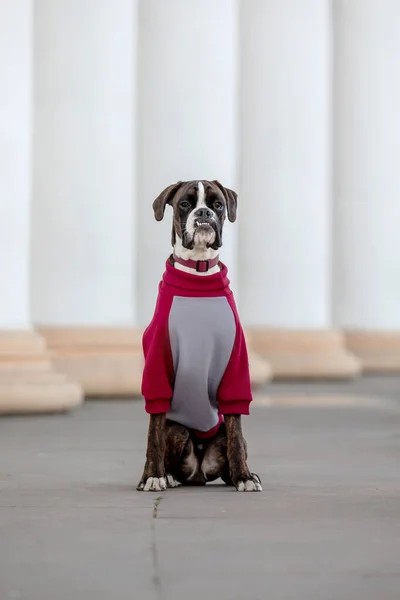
x: 188, y: 189
x: 155, y: 463
x: 172, y: 449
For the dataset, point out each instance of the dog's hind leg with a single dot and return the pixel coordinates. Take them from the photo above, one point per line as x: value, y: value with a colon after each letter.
x: 176, y: 437
x: 181, y: 463
x: 215, y: 460
x: 215, y: 463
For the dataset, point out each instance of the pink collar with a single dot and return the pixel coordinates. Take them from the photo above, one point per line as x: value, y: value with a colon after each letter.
x: 201, y: 266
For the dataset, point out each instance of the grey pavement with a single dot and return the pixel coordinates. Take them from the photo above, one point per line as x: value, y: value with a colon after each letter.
x: 326, y: 526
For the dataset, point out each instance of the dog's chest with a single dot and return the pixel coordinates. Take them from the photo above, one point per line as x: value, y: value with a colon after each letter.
x: 202, y: 334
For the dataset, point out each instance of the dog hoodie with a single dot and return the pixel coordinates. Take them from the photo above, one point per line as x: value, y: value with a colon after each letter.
x: 196, y: 363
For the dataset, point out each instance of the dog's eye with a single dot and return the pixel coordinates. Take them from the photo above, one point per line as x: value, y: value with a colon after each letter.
x: 218, y: 205
x: 185, y: 204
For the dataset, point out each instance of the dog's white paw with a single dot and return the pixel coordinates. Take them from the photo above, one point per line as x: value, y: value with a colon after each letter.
x: 250, y: 485
x: 172, y: 482
x: 153, y: 484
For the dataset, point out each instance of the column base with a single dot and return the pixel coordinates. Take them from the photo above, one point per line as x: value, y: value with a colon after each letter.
x: 260, y: 368
x: 107, y: 361
x: 29, y: 383
x: 311, y: 354
x: 378, y: 351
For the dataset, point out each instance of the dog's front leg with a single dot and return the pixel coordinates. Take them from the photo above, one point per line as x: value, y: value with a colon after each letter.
x: 242, y: 479
x: 154, y: 477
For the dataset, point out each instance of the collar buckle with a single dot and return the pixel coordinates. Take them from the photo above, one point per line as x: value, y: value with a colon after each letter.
x: 202, y: 266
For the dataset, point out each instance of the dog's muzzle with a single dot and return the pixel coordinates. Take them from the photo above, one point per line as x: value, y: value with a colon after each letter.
x: 202, y: 222
x: 203, y: 217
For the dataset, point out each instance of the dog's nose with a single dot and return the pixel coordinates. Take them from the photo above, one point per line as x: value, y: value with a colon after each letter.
x: 203, y: 213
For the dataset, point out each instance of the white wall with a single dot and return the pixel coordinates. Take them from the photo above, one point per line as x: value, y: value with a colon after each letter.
x: 15, y: 161
x: 83, y: 251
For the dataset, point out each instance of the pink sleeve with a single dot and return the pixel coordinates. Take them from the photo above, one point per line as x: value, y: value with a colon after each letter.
x: 158, y: 372
x: 234, y: 393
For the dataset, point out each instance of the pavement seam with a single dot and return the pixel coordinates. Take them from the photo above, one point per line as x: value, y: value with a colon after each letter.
x: 155, y: 508
x: 154, y: 550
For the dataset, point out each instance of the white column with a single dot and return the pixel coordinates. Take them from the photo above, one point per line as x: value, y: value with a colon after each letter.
x: 84, y: 224
x: 284, y: 231
x: 27, y: 380
x: 367, y: 173
x: 15, y: 161
x: 187, y: 118
x: 84, y: 163
x: 367, y: 179
x: 285, y: 163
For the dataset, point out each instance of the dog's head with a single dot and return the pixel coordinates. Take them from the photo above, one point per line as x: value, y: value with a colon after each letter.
x: 199, y: 211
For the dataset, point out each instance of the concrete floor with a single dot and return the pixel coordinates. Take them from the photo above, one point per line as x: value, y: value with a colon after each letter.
x: 326, y: 527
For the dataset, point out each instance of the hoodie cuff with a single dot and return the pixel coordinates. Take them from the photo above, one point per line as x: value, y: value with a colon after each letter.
x: 154, y: 407
x: 234, y: 407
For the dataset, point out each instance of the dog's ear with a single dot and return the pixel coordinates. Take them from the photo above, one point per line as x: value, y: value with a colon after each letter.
x: 231, y: 200
x: 165, y: 198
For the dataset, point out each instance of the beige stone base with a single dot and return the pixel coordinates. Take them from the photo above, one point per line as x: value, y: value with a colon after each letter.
x: 317, y: 354
x: 106, y: 361
x: 109, y: 361
x: 260, y: 368
x: 29, y: 383
x: 379, y: 352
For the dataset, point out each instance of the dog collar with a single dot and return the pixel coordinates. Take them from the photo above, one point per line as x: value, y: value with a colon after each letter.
x: 201, y: 266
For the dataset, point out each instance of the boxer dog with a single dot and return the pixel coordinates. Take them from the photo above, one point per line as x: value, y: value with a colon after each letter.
x: 196, y: 381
